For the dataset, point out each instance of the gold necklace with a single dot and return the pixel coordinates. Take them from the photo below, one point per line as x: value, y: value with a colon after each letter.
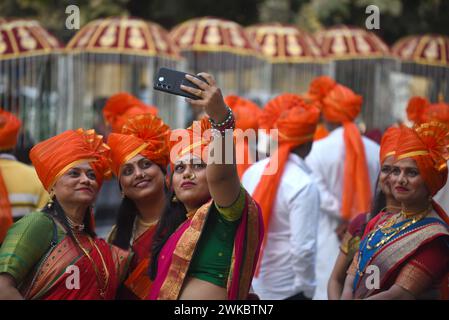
x: 94, y: 265
x: 389, y: 230
x: 146, y: 224
x: 190, y: 214
x: 75, y: 226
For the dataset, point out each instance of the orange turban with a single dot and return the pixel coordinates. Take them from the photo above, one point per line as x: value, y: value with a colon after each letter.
x: 246, y: 115
x: 296, y: 122
x: 428, y: 145
x: 340, y: 104
x: 55, y: 156
x: 122, y: 106
x: 438, y: 112
x: 194, y: 141
x: 144, y: 134
x: 416, y: 109
x: 9, y: 129
x: 389, y: 143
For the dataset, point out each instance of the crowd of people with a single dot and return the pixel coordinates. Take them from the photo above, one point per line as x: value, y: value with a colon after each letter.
x: 339, y: 217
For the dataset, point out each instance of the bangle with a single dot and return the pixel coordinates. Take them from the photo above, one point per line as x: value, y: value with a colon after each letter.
x: 229, y: 119
x: 229, y: 127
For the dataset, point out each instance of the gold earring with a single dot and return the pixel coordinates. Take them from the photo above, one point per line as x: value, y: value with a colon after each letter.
x: 174, y: 199
x: 51, y: 195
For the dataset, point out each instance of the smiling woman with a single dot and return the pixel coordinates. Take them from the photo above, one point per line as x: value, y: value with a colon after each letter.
x: 139, y: 160
x: 410, y: 248
x: 40, y: 247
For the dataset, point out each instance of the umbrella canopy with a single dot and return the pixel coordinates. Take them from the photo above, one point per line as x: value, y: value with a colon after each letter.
x: 119, y: 54
x: 294, y: 56
x: 21, y: 38
x: 30, y: 78
x: 426, y: 49
x: 209, y: 34
x: 360, y: 60
x: 123, y: 35
x: 346, y: 42
x: 284, y: 44
x: 424, y: 68
x: 223, y: 48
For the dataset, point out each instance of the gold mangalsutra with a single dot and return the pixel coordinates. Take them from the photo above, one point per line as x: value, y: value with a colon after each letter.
x: 101, y: 290
x: 190, y: 214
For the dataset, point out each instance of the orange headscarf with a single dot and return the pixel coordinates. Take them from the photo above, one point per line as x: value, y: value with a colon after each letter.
x: 122, y: 106
x: 146, y: 135
x: 296, y: 122
x: 340, y: 104
x: 9, y: 129
x: 428, y: 145
x: 389, y: 143
x: 417, y: 108
x: 55, y: 156
x: 246, y: 115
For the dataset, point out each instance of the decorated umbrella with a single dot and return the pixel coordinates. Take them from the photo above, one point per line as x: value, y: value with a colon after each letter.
x: 361, y: 61
x: 30, y: 78
x: 222, y: 48
x: 293, y: 55
x: 424, y: 67
x: 120, y: 54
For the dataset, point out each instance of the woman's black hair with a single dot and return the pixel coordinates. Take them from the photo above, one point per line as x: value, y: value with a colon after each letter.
x: 174, y: 215
x: 126, y: 215
x: 379, y: 201
x: 55, y: 210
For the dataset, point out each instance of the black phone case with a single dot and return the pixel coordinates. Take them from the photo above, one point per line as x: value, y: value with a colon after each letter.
x: 168, y: 80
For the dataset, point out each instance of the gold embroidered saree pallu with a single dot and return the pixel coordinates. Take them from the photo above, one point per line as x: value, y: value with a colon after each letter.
x: 390, y: 256
x: 178, y: 251
x: 66, y: 273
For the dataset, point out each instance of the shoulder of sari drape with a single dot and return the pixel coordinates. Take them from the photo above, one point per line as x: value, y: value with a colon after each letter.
x: 247, y: 242
x: 183, y: 253
x: 138, y: 281
x: 391, y: 255
x: 111, y: 236
x: 26, y: 242
x: 122, y: 259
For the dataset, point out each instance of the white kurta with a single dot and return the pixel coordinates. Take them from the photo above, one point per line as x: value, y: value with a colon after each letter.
x: 288, y: 263
x: 442, y: 197
x: 327, y: 163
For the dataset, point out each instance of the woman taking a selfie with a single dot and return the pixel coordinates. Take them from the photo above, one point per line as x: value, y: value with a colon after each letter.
x: 207, y: 242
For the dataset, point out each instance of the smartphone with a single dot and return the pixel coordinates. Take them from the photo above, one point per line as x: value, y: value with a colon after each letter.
x: 170, y: 81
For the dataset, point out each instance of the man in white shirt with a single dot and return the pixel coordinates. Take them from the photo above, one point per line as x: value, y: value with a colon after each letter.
x: 289, y: 200
x: 327, y: 160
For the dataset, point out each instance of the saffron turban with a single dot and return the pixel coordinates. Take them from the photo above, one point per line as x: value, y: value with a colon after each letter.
x: 417, y: 108
x: 55, y: 156
x: 389, y: 143
x: 193, y: 141
x: 246, y: 115
x: 9, y: 129
x: 340, y: 104
x: 438, y: 112
x: 144, y: 134
x: 122, y: 106
x: 428, y: 145
x: 296, y: 122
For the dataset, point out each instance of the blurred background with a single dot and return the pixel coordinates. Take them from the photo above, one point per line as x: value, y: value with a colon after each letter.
x: 56, y: 76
